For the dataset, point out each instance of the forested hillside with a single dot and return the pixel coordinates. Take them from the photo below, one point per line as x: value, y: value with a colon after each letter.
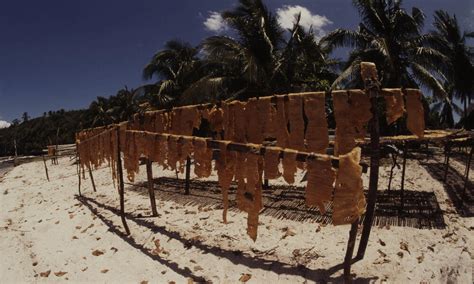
x: 32, y: 135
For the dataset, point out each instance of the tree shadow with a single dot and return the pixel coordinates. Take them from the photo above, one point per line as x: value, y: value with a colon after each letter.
x: 236, y: 257
x: 283, y: 202
x: 462, y: 199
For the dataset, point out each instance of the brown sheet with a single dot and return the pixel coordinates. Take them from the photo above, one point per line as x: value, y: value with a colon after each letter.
x: 296, y: 121
x: 349, y: 200
x: 225, y: 166
x: 272, y: 162
x: 361, y: 113
x: 289, y: 165
x: 317, y: 137
x: 240, y: 122
x: 281, y: 119
x: 395, y: 106
x: 254, y: 129
x: 345, y: 131
x: 202, y: 158
x: 416, y: 114
x: 320, y: 186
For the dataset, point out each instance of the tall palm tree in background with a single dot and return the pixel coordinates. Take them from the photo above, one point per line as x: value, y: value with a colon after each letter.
x: 124, y: 105
x: 390, y: 37
x: 249, y: 63
x: 262, y: 59
x: 304, y: 61
x: 98, y: 110
x: 448, y: 39
x: 176, y: 68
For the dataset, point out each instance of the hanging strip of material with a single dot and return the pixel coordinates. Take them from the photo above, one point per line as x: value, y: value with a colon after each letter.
x: 281, y: 122
x: 320, y: 185
x: 225, y: 166
x: 345, y: 131
x: 316, y: 136
x: 272, y: 162
x: 395, y: 106
x: 415, y: 112
x: 296, y: 121
x: 202, y: 158
x: 349, y: 200
x: 289, y: 165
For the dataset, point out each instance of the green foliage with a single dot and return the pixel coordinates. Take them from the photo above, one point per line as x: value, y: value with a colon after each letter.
x: 35, y: 134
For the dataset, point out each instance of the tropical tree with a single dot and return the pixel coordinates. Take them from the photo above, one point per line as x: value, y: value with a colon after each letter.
x: 176, y: 68
x: 98, y: 109
x: 124, y: 105
x: 450, y: 40
x: 392, y: 38
x: 248, y: 63
x: 262, y: 59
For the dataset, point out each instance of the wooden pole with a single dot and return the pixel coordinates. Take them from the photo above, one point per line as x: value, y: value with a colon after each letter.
x: 468, y: 167
x: 92, y: 179
x: 79, y: 173
x: 121, y: 186
x: 188, y: 175
x: 372, y: 86
x: 45, y: 168
x: 447, y: 153
x: 350, y: 251
x: 402, y: 186
x: 151, y: 190
x: 394, y: 164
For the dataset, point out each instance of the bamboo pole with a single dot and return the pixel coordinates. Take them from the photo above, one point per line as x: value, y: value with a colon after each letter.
x: 121, y: 185
x: 402, y: 186
x: 188, y: 175
x: 79, y: 174
x: 92, y: 179
x: 468, y: 167
x: 45, y: 168
x: 350, y: 251
x: 372, y: 86
x: 447, y: 154
x: 151, y: 190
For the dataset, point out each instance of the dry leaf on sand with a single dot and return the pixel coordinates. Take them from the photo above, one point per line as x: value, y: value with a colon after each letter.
x: 245, y: 277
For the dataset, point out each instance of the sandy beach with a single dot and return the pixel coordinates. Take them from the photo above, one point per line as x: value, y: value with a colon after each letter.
x: 49, y: 234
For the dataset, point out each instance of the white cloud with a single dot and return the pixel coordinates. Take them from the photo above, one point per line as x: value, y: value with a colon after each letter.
x: 4, y: 124
x: 287, y: 17
x: 215, y: 22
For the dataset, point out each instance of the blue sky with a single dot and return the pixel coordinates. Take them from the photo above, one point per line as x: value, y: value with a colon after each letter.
x: 63, y: 54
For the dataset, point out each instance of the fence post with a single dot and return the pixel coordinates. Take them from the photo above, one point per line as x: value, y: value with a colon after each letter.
x: 188, y: 175
x: 372, y: 86
x: 121, y: 186
x: 151, y: 190
x: 45, y: 168
x: 92, y: 179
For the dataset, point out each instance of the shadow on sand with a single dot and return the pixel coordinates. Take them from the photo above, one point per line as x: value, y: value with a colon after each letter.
x: 421, y: 209
x: 236, y: 257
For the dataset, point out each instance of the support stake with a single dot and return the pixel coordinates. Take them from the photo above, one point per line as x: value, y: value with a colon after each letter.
x: 468, y: 167
x: 121, y: 186
x: 92, y: 179
x: 372, y: 86
x: 402, y: 186
x: 151, y: 190
x: 45, y: 168
x: 188, y: 175
x: 350, y: 251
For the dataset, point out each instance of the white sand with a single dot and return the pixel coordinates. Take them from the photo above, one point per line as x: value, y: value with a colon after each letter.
x: 43, y: 227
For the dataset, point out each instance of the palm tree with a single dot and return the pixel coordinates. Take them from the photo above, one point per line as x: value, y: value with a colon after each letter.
x: 448, y: 39
x: 304, y: 62
x: 390, y: 37
x: 176, y: 68
x: 262, y: 60
x: 248, y: 64
x: 98, y: 111
x: 124, y: 105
